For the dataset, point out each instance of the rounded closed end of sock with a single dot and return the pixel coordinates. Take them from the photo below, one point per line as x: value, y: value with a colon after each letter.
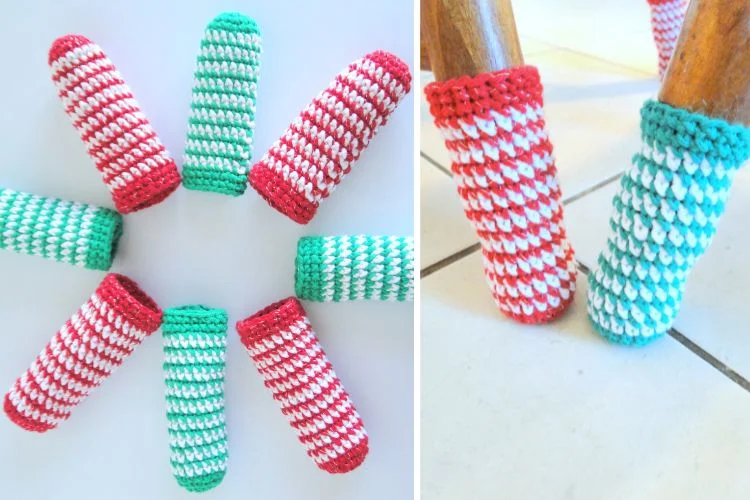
x: 394, y: 66
x: 270, y: 320
x: 15, y: 416
x: 123, y: 295
x: 234, y: 21
x: 65, y: 44
x: 281, y: 194
x: 350, y: 460
x: 106, y: 232
x: 199, y: 484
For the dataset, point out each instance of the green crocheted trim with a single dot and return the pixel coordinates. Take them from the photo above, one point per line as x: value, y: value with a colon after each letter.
x: 76, y: 233
x: 195, y: 340
x: 666, y: 211
x: 339, y: 268
x: 222, y: 118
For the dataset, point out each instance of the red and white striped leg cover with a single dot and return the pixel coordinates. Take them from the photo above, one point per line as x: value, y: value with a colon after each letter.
x: 134, y: 164
x: 667, y: 17
x: 295, y: 368
x: 493, y: 125
x: 82, y: 354
x: 315, y: 153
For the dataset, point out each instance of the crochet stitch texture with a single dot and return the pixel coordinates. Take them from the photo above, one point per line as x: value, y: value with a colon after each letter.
x: 665, y: 214
x: 667, y: 17
x: 306, y: 164
x: 134, y: 164
x: 286, y: 352
x: 82, y: 354
x: 222, y: 114
x: 341, y: 268
x: 502, y: 163
x: 195, y: 343
x: 65, y: 231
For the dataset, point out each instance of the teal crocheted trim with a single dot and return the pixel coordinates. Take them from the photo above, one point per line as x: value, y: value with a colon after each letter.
x: 195, y: 342
x: 222, y: 113
x: 65, y: 231
x: 666, y: 211
x: 339, y: 268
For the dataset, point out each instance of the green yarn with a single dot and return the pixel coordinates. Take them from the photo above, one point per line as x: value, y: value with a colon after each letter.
x: 76, y: 233
x: 340, y: 268
x: 222, y: 117
x: 666, y: 211
x: 195, y: 341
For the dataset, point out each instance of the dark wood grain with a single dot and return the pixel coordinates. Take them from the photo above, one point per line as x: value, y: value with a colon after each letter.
x: 710, y: 69
x: 469, y: 37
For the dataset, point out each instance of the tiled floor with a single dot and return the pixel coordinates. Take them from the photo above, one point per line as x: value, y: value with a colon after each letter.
x: 554, y: 412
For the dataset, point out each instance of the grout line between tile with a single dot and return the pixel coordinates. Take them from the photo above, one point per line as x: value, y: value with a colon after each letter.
x: 694, y: 348
x: 593, y: 188
x: 431, y: 160
x: 611, y: 63
x: 437, y: 266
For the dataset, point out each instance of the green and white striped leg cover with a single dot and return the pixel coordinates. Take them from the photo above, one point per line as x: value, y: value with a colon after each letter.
x: 340, y: 268
x: 195, y: 342
x: 65, y: 231
x: 222, y: 112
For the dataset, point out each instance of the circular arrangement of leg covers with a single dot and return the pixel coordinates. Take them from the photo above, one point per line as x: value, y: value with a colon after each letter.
x: 134, y: 164
x: 222, y: 113
x: 65, y: 231
x: 82, y: 354
x: 315, y: 153
x: 286, y: 352
x: 494, y: 128
x: 665, y: 214
x: 667, y: 17
x: 195, y: 343
x: 340, y: 268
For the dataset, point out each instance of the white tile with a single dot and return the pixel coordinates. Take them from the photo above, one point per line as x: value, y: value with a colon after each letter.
x: 444, y: 230
x: 714, y: 311
x: 592, y: 111
x: 552, y: 412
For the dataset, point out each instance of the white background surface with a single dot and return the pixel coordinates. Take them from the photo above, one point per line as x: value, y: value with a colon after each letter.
x: 234, y: 253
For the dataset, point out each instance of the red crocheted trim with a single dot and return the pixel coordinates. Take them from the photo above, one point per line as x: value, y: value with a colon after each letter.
x: 270, y: 320
x: 131, y: 302
x: 280, y: 194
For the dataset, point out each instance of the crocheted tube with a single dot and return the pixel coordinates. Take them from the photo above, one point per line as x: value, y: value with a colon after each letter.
x: 134, y: 164
x: 286, y: 352
x: 340, y: 268
x: 82, y: 354
x: 195, y: 343
x: 65, y: 231
x: 502, y: 163
x: 222, y: 113
x: 665, y: 214
x: 667, y: 17
x: 315, y: 153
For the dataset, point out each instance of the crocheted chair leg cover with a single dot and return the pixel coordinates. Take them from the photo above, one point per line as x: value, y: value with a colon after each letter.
x: 494, y: 128
x: 134, y: 164
x: 667, y: 17
x: 315, y: 153
x: 665, y: 214
x: 340, y: 268
x: 222, y: 113
x: 286, y: 352
x: 195, y: 342
x: 65, y: 231
x: 82, y: 354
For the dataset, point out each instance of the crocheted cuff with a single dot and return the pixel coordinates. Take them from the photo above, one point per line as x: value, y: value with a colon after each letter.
x: 222, y: 113
x: 667, y: 17
x: 295, y: 368
x: 666, y: 210
x: 340, y: 268
x: 315, y: 153
x: 494, y: 128
x: 134, y: 164
x: 65, y: 231
x: 82, y: 354
x: 195, y: 343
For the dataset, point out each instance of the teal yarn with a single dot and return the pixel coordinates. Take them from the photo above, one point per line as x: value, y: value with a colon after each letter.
x: 342, y: 268
x: 65, y: 231
x: 666, y: 210
x: 222, y: 113
x: 195, y: 342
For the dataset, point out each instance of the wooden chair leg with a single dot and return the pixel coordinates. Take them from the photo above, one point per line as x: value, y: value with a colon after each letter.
x: 469, y: 37
x: 709, y: 69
